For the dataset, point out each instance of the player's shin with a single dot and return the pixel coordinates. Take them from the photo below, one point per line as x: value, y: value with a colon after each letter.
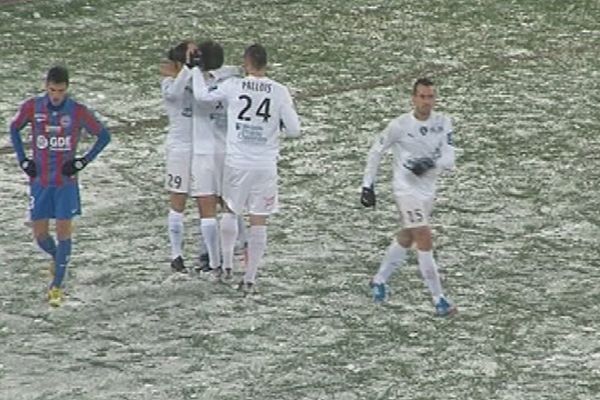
x: 229, y: 231
x: 47, y: 244
x: 430, y: 273
x: 175, y: 224
x: 394, y: 257
x: 257, y: 244
x: 210, y: 233
x: 63, y: 253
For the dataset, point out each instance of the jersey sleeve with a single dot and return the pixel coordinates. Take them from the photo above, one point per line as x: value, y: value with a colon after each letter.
x: 174, y: 88
x: 381, y: 144
x: 201, y: 89
x: 23, y: 117
x: 447, y: 158
x: 290, y: 122
x: 92, y: 125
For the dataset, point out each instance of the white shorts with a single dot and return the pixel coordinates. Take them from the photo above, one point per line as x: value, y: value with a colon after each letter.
x: 178, y: 177
x: 414, y: 211
x: 254, y: 191
x: 207, y: 174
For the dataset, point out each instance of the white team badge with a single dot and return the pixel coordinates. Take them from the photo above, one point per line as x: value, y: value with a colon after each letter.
x: 41, y: 142
x: 65, y: 121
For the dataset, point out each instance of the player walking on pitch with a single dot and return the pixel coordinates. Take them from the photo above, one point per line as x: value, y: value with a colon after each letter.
x: 257, y: 109
x: 56, y: 123
x: 421, y: 142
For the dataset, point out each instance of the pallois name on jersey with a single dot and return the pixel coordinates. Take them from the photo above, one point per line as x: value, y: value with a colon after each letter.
x: 257, y: 86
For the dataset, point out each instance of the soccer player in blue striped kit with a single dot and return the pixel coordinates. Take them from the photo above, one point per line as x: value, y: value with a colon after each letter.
x: 57, y: 123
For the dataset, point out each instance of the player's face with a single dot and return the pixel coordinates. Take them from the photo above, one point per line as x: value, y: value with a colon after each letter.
x: 423, y: 101
x: 57, y: 92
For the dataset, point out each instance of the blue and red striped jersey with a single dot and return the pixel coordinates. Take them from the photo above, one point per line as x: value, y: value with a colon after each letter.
x: 55, y: 133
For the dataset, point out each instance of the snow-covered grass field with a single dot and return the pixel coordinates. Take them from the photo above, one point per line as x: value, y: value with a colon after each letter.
x: 517, y: 225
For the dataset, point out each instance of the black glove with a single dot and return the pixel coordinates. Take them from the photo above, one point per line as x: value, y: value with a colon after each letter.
x: 28, y: 166
x: 420, y: 165
x: 196, y: 60
x: 71, y: 167
x: 367, y: 197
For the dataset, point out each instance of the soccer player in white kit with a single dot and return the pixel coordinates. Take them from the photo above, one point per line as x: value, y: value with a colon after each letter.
x: 209, y: 121
x: 258, y: 109
x: 421, y: 142
x: 176, y: 88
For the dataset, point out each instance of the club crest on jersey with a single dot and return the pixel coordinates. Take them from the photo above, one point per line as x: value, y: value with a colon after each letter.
x: 65, y: 121
x: 41, y: 142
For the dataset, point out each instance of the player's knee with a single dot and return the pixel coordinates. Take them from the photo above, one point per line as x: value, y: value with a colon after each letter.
x: 404, y: 238
x: 423, y: 238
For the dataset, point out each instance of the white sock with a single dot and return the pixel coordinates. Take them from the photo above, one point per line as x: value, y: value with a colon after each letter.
x: 229, y: 229
x: 242, y: 236
x: 201, y: 245
x: 175, y: 224
x: 210, y: 233
x: 430, y: 274
x: 394, y: 257
x: 257, y: 244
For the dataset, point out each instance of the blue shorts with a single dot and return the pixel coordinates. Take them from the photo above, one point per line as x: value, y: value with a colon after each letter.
x: 52, y: 202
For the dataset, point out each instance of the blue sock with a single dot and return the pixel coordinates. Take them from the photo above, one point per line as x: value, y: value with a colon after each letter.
x: 63, y: 253
x: 47, y: 244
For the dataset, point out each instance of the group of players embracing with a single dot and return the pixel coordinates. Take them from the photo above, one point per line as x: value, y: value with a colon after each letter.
x: 222, y: 148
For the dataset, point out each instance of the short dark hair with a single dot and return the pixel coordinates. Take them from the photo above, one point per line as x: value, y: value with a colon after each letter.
x: 212, y: 54
x: 257, y: 55
x: 58, y: 74
x: 422, y: 82
x: 179, y: 52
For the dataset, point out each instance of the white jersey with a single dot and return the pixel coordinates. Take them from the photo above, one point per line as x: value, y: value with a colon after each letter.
x: 257, y: 110
x: 177, y: 99
x: 210, y: 117
x: 410, y: 139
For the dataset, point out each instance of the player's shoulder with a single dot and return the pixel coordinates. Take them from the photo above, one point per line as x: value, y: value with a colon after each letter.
x: 440, y: 117
x: 401, y: 120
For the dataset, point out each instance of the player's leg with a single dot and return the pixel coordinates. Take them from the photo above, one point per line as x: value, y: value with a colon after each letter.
x: 394, y: 257
x: 176, y: 229
x: 235, y: 194
x: 43, y: 238
x: 262, y: 202
x: 63, y: 251
x: 257, y: 244
x: 40, y: 211
x: 422, y: 235
x: 67, y: 205
x: 207, y: 174
x: 207, y: 206
x: 177, y: 183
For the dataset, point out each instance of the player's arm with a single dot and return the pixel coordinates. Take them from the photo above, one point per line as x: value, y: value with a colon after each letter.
x: 381, y: 144
x: 201, y: 90
x: 24, y: 116
x: 447, y: 156
x: 290, y: 122
x: 91, y: 124
x: 174, y: 88
x: 376, y: 152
